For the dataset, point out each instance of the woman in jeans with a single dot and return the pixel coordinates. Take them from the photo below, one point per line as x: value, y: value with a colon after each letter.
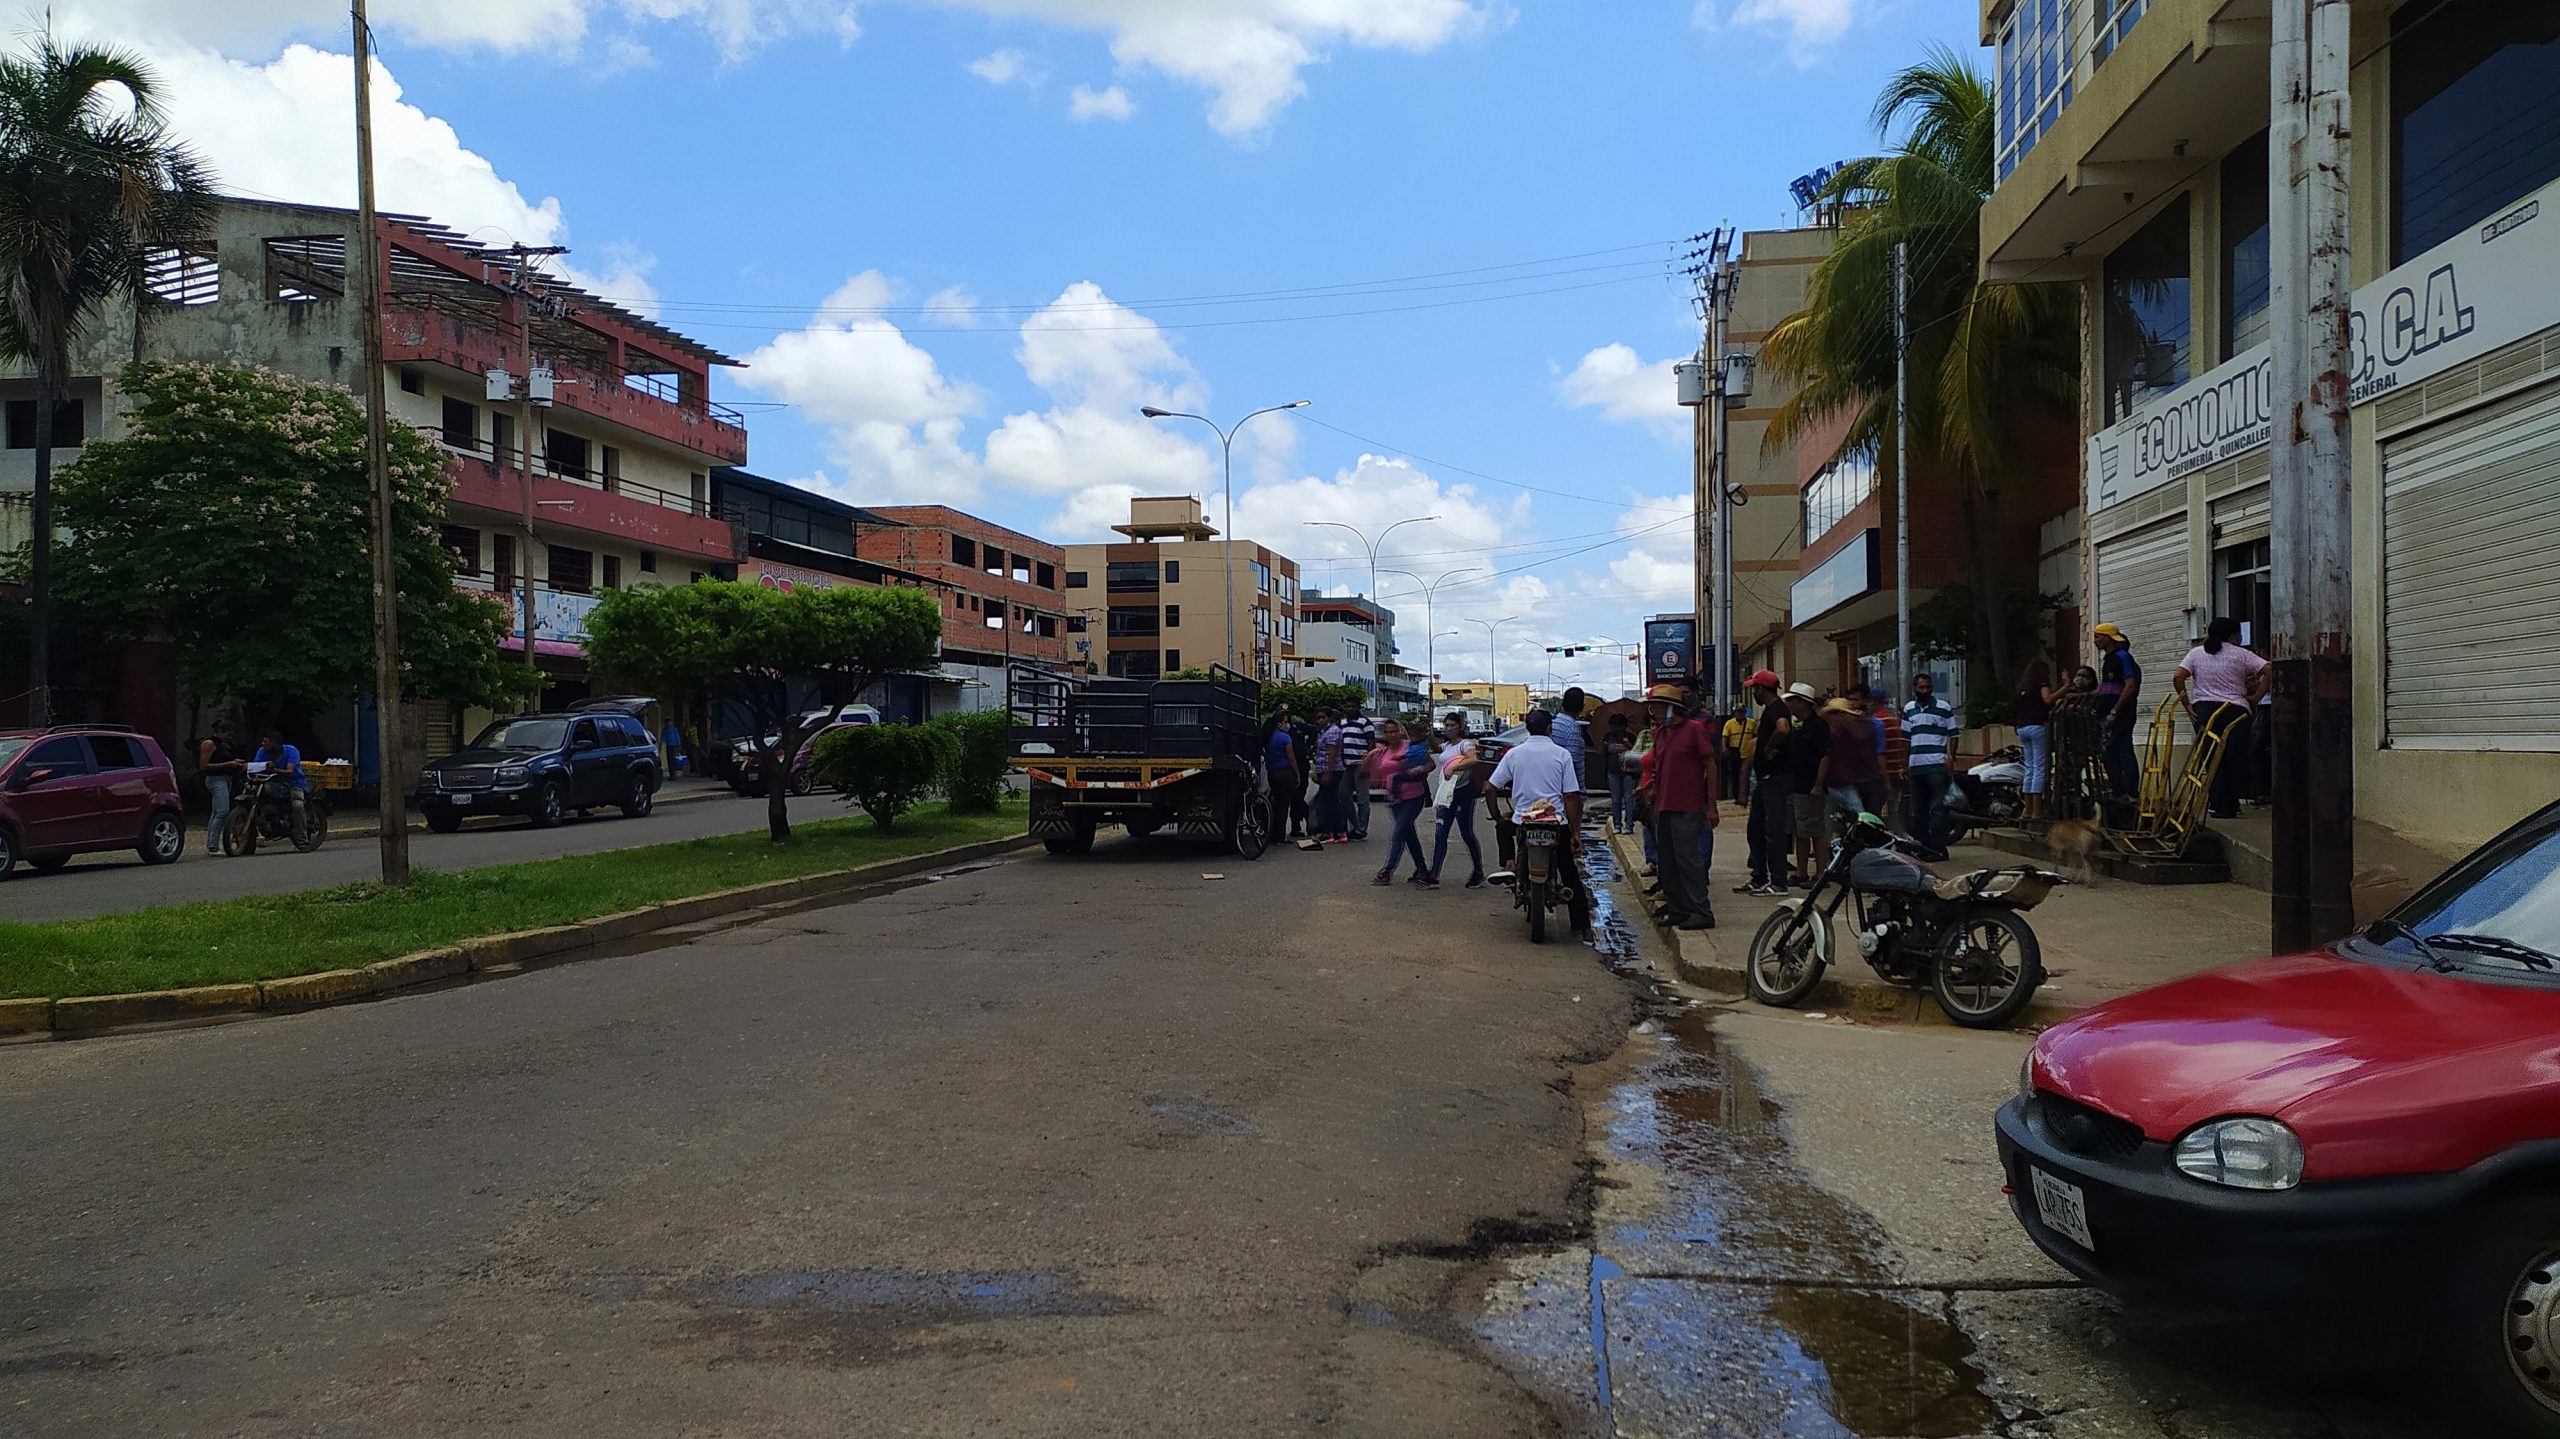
x: 1615, y: 746
x: 1465, y: 784
x: 2031, y: 710
x: 1402, y: 766
x: 220, y: 762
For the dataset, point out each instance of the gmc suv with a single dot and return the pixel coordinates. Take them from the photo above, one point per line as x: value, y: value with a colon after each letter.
x: 79, y: 789
x: 544, y: 766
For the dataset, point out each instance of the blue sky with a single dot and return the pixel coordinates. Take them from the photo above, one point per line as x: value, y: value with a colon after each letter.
x: 962, y: 240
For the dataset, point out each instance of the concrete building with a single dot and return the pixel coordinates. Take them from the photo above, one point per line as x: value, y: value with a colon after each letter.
x: 1348, y: 639
x: 623, y: 448
x: 1509, y: 701
x: 2133, y: 162
x: 1159, y: 602
x: 1003, y: 594
x: 1770, y: 276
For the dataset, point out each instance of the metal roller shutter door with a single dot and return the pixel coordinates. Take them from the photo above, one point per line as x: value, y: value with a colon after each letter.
x: 2142, y: 590
x: 2241, y: 518
x: 2471, y: 591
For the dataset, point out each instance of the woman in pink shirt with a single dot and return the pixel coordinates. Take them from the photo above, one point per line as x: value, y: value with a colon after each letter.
x: 2215, y: 679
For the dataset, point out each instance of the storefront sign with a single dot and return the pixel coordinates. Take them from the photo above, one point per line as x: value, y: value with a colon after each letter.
x: 787, y: 578
x: 556, y: 616
x: 1835, y: 581
x: 1670, y: 651
x: 2482, y: 289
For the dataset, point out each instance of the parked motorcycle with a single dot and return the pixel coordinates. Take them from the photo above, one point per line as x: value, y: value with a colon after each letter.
x: 1547, y: 875
x: 263, y: 813
x: 1989, y: 794
x: 1965, y: 940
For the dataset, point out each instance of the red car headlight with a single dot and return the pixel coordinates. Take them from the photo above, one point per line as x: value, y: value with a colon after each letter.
x: 2241, y: 1154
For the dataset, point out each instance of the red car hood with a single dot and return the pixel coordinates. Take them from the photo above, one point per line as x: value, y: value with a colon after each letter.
x: 2355, y: 1053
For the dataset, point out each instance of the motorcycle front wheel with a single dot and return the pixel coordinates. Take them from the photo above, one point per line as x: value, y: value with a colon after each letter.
x: 1789, y: 952
x: 1986, y: 967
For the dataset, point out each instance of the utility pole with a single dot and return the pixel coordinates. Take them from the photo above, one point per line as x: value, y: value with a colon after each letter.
x: 1703, y: 386
x: 520, y: 258
x: 2310, y: 309
x: 1902, y: 469
x: 1725, y: 281
x: 392, y: 786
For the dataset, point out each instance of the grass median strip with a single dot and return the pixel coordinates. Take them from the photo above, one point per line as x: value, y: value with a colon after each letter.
x: 277, y: 936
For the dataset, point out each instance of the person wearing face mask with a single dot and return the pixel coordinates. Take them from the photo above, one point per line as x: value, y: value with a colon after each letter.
x: 1932, y: 726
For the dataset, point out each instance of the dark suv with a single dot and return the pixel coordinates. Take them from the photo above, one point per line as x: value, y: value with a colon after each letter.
x: 544, y: 766
x: 78, y: 789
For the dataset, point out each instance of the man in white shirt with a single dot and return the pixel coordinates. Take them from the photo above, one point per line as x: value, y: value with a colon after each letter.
x: 1538, y: 769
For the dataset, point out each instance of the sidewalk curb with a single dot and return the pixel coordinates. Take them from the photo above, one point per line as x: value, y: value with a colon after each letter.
x: 85, y: 1015
x: 419, y: 826
x: 1713, y: 960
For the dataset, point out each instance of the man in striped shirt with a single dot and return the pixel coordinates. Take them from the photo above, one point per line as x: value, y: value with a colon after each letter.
x: 1359, y: 733
x: 1931, y: 725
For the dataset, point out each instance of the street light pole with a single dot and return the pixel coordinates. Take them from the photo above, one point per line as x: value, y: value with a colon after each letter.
x: 1492, y: 666
x: 1430, y: 596
x: 1370, y: 543
x: 1227, y: 448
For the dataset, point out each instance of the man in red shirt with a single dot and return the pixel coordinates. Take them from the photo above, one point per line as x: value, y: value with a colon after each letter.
x: 1683, y: 792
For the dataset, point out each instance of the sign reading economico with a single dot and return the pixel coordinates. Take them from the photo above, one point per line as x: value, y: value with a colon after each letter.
x: 2455, y: 303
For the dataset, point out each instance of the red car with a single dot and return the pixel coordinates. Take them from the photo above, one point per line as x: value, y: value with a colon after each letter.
x: 76, y: 789
x: 2369, y: 1132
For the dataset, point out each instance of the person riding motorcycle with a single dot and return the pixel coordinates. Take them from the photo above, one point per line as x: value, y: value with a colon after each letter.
x: 1537, y: 774
x: 285, y: 762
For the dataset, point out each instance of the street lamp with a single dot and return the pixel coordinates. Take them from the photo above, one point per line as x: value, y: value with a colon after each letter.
x: 1227, y: 446
x: 1430, y: 592
x: 1372, y: 544
x: 1492, y: 670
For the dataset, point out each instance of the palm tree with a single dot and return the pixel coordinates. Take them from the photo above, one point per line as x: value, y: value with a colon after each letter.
x: 1995, y: 369
x: 91, y: 183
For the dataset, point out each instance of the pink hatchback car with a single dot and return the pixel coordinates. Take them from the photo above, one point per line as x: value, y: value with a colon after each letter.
x: 78, y: 789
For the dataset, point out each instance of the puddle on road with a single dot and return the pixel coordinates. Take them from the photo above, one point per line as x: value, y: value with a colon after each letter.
x: 1723, y: 1293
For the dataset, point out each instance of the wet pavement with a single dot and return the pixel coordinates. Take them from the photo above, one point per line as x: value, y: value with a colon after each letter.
x: 1725, y: 1292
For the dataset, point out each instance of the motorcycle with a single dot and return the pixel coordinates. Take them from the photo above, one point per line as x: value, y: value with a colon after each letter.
x: 1965, y: 940
x: 264, y: 812
x: 1547, y: 874
x: 1989, y: 794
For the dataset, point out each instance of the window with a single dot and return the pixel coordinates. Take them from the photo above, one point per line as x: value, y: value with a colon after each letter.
x: 65, y: 755
x: 463, y: 543
x: 572, y: 571
x: 411, y: 382
x: 502, y: 438
x: 964, y: 551
x: 565, y: 453
x: 1172, y: 616
x: 1132, y: 664
x: 1261, y: 577
x: 2473, y: 126
x: 2114, y: 18
x: 1046, y: 576
x: 1075, y: 579
x: 1172, y: 660
x: 1076, y: 624
x: 583, y: 733
x: 2146, y: 323
x: 502, y: 554
x: 613, y: 572
x: 995, y: 619
x: 1132, y: 575
x: 1173, y: 572
x: 648, y: 562
x: 1021, y: 570
x: 115, y: 751
x: 304, y: 268
x: 992, y: 560
x: 612, y: 469
x: 2245, y: 581
x: 181, y: 277
x: 2034, y: 76
x: 67, y: 421
x: 461, y: 424
x: 2244, y: 246
x: 1133, y: 622
x: 1048, y: 627
x: 1837, y: 490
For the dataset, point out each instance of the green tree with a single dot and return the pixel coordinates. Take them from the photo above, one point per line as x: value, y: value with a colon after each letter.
x: 756, y: 647
x: 980, y: 761
x: 90, y: 184
x: 886, y: 769
x: 1305, y: 697
x: 1995, y: 369
x: 232, y: 519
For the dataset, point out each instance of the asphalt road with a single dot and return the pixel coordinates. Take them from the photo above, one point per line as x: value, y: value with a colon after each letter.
x: 108, y: 883
x: 1106, y: 1147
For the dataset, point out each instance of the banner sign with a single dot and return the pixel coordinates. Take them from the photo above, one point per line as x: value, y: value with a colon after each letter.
x: 2482, y: 289
x: 1670, y: 651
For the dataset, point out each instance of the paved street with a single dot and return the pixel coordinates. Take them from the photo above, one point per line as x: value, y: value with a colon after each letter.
x: 1031, y: 1150
x: 106, y: 883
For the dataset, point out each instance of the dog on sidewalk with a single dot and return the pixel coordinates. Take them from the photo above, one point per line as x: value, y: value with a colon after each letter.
x: 2074, y: 843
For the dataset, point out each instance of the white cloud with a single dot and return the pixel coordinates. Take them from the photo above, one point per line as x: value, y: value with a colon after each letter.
x: 1002, y: 67
x: 951, y: 307
x: 1622, y: 385
x: 894, y: 421
x: 560, y: 27
x: 1089, y: 514
x: 1810, y: 26
x: 1250, y: 55
x: 1087, y: 103
x: 1099, y: 362
x: 1657, y: 569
